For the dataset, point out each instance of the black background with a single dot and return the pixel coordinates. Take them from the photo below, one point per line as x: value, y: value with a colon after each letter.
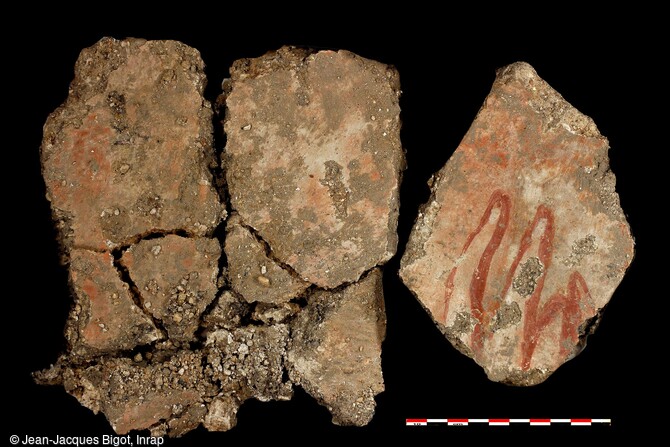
x: 447, y: 64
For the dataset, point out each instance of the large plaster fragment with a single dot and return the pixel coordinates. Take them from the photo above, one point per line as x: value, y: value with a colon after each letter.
x: 336, y: 350
x: 523, y: 241
x: 313, y: 159
x: 129, y: 152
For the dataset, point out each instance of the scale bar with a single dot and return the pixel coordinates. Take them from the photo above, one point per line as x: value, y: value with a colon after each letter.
x: 507, y: 422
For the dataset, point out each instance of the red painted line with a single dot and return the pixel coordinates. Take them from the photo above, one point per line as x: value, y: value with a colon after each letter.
x: 458, y: 420
x: 561, y: 305
x: 581, y: 420
x: 540, y: 420
x: 409, y: 421
x: 498, y: 420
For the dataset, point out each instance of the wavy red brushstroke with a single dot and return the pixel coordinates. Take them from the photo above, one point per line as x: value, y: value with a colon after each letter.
x: 536, y: 318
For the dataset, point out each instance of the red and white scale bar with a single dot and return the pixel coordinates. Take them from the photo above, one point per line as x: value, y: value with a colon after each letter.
x: 507, y: 421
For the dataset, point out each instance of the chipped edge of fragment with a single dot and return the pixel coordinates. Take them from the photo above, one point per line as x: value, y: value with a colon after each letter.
x: 548, y: 102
